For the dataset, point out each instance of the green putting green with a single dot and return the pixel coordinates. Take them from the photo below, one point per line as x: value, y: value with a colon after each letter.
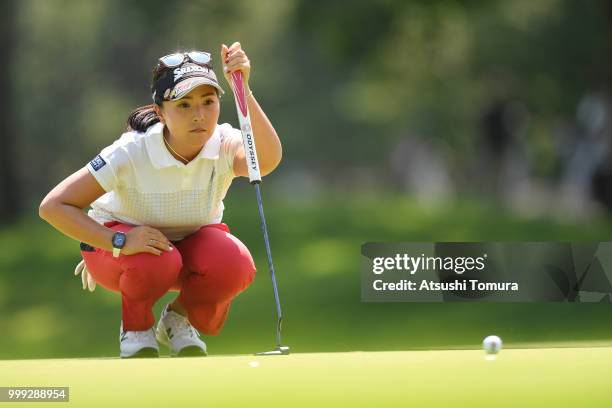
x: 515, y: 378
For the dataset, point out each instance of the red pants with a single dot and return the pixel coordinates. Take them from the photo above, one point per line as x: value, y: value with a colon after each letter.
x: 209, y: 268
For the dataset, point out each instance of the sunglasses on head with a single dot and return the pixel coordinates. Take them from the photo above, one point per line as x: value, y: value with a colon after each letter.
x: 176, y: 59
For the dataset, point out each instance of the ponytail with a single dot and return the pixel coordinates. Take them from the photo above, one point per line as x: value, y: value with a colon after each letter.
x: 141, y: 118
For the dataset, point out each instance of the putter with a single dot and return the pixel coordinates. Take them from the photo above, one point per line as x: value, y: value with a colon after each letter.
x: 255, y: 180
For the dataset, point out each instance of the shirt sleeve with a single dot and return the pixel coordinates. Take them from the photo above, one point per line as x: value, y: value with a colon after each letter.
x: 106, y: 167
x: 231, y: 143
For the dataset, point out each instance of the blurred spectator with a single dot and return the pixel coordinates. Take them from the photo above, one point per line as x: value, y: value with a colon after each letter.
x: 422, y: 171
x: 587, y: 175
x: 503, y: 165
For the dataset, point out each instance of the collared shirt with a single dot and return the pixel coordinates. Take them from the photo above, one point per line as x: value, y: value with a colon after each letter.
x: 146, y: 185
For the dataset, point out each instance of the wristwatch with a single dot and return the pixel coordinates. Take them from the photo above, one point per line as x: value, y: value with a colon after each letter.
x: 118, y: 243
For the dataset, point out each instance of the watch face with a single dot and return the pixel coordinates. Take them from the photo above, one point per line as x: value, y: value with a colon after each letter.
x: 118, y: 240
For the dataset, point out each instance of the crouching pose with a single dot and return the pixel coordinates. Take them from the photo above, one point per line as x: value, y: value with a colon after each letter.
x: 156, y: 197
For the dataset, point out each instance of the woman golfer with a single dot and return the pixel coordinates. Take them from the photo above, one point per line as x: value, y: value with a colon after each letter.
x: 156, y: 197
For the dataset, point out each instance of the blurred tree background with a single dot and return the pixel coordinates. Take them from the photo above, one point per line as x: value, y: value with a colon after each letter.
x: 400, y: 120
x: 360, y: 94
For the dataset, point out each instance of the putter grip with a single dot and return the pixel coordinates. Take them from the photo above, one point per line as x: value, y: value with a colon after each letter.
x: 245, y: 127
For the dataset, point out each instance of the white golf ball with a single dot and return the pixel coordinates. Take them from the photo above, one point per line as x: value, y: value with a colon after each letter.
x: 492, y: 344
x: 254, y: 364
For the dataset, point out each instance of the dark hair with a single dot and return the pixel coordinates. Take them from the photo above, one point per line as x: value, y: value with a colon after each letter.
x: 141, y: 118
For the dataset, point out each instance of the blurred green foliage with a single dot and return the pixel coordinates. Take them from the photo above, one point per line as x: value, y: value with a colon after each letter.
x: 342, y: 83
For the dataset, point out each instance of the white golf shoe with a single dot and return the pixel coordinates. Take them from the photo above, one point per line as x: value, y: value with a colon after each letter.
x: 137, y: 344
x: 179, y: 335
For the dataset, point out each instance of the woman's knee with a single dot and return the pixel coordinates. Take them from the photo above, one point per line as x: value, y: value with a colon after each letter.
x: 215, y: 286
x: 232, y: 273
x: 219, y: 251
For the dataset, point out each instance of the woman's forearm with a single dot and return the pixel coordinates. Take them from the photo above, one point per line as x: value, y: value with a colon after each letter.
x: 73, y: 222
x: 269, y: 149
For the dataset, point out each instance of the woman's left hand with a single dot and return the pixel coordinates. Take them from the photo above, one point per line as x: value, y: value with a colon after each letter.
x: 235, y: 59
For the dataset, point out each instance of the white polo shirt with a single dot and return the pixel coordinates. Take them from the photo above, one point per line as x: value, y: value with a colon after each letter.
x: 146, y: 185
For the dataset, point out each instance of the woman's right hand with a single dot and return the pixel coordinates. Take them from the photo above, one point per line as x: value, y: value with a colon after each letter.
x: 145, y: 239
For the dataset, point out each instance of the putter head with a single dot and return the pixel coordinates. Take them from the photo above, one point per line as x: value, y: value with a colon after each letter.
x: 278, y: 351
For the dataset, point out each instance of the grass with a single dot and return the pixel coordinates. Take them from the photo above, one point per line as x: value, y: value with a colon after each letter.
x: 544, y: 377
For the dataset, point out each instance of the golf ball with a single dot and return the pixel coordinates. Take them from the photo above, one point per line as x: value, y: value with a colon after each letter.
x: 492, y: 344
x: 254, y: 364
